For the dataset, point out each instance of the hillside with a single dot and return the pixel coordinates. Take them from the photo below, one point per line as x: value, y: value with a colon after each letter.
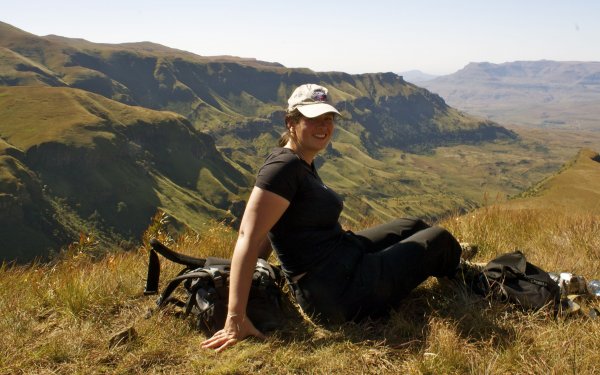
x: 551, y: 94
x: 572, y: 189
x: 72, y: 161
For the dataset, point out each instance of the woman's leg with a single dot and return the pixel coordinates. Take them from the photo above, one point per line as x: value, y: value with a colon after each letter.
x: 385, y: 235
x: 383, y: 278
x: 392, y: 260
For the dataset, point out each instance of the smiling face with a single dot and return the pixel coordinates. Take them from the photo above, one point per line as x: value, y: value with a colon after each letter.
x: 308, y: 136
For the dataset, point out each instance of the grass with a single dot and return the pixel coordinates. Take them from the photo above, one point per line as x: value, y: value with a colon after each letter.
x: 59, y: 317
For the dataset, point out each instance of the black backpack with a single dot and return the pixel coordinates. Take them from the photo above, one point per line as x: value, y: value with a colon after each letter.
x: 510, y: 277
x: 206, y: 290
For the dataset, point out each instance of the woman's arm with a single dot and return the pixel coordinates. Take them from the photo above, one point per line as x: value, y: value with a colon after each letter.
x: 262, y: 212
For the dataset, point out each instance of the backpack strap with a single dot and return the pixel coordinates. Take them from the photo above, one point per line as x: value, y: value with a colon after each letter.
x: 153, y: 276
x: 263, y: 265
x: 262, y: 274
x: 165, y: 296
x: 153, y: 273
x: 216, y: 262
x: 173, y: 256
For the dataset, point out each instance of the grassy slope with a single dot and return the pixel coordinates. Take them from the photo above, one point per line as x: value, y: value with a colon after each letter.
x: 110, y: 162
x: 450, y: 179
x: 35, y: 116
x: 573, y: 188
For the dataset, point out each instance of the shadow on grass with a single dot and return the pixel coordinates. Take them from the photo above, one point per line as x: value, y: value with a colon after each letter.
x: 408, y: 327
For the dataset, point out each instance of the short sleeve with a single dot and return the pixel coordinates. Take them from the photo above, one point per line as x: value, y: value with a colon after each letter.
x: 281, y: 174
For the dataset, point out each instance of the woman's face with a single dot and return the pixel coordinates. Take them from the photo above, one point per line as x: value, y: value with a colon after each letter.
x: 313, y: 134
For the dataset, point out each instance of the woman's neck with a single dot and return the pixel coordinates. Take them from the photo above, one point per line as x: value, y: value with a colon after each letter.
x: 302, y: 154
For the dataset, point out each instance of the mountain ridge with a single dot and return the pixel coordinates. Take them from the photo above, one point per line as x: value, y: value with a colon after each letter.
x: 546, y: 93
x: 207, y: 93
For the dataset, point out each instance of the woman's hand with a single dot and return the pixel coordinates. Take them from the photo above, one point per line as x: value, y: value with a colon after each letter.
x: 262, y: 212
x: 236, y: 328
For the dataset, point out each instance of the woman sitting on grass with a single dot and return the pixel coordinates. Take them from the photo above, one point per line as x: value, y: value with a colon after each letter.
x: 336, y: 275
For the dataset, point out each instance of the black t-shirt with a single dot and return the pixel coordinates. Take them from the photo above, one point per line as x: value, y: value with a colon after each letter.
x: 309, y: 229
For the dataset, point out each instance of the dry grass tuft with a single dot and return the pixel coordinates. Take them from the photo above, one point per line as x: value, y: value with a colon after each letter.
x: 555, y: 240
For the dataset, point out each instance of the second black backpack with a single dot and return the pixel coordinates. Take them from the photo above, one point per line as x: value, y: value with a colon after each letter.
x: 511, y: 277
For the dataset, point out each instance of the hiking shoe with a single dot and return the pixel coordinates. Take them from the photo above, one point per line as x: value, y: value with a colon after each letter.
x: 470, y: 274
x: 469, y: 250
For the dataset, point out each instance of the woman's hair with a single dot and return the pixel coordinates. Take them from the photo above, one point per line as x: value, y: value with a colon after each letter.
x: 290, y: 118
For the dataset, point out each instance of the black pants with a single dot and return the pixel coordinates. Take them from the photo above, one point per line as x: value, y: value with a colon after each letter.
x: 372, y: 270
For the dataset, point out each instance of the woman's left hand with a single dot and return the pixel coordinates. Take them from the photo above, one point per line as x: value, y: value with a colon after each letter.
x: 236, y: 329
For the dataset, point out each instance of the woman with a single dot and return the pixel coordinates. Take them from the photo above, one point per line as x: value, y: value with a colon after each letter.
x: 336, y: 275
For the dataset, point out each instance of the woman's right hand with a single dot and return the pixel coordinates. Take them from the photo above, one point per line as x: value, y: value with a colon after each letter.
x: 237, y: 328
x: 263, y: 210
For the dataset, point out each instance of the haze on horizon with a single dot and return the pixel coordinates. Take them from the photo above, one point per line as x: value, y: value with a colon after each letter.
x: 434, y: 36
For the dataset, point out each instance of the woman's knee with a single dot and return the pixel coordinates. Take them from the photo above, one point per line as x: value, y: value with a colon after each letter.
x: 443, y: 237
x: 410, y: 223
x: 448, y: 243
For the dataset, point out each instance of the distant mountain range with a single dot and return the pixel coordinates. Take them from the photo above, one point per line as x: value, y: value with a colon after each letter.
x: 532, y: 93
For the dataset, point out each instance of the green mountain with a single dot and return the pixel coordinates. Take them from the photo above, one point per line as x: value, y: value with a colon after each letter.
x: 101, y: 136
x: 75, y: 161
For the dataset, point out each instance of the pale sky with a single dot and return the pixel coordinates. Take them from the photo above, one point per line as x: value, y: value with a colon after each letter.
x: 434, y: 36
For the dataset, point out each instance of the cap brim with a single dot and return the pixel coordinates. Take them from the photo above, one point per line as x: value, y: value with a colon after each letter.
x: 317, y: 109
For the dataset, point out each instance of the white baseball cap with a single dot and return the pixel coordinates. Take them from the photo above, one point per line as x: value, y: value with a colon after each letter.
x: 311, y: 100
